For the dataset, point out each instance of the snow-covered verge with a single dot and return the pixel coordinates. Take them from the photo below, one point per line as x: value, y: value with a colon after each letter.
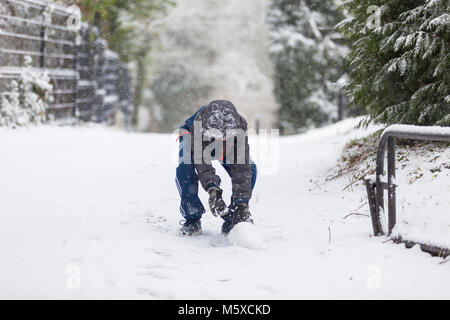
x: 93, y: 213
x: 423, y: 197
x: 422, y: 177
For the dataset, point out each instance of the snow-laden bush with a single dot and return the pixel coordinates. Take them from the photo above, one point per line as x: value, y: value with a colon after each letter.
x: 28, y: 99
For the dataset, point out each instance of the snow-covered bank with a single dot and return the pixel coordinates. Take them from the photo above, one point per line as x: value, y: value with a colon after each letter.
x: 423, y: 201
x: 93, y: 213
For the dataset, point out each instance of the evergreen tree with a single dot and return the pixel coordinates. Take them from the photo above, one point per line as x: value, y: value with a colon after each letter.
x: 308, y: 56
x: 400, y: 68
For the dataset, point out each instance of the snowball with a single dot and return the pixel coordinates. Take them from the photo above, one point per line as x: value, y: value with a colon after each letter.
x: 246, y: 235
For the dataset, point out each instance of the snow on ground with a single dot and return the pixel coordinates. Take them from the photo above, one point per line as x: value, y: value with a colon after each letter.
x: 93, y: 213
x: 423, y: 202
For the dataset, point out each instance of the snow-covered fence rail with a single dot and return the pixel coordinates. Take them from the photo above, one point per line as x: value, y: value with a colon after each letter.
x: 89, y: 81
x: 376, y: 185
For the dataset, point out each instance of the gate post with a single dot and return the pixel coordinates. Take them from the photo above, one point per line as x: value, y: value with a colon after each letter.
x: 371, y: 191
x: 391, y: 183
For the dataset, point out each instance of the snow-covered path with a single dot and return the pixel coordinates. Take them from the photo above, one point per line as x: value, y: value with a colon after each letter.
x: 93, y: 213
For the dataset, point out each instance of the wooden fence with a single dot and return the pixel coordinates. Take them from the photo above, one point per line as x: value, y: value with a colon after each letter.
x: 90, y: 83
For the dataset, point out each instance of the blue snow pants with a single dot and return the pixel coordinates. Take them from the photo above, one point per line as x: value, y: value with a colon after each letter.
x: 186, y: 179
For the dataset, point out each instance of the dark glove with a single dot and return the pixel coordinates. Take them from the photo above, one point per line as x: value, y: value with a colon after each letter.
x: 240, y: 213
x: 216, y: 204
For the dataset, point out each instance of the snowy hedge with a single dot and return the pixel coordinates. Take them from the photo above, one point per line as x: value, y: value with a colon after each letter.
x: 400, y: 64
x: 28, y: 98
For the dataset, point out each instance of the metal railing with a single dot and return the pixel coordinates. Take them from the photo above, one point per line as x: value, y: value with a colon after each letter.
x: 90, y: 82
x: 376, y: 187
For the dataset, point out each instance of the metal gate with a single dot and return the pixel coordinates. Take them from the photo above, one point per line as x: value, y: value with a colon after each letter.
x: 376, y: 186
